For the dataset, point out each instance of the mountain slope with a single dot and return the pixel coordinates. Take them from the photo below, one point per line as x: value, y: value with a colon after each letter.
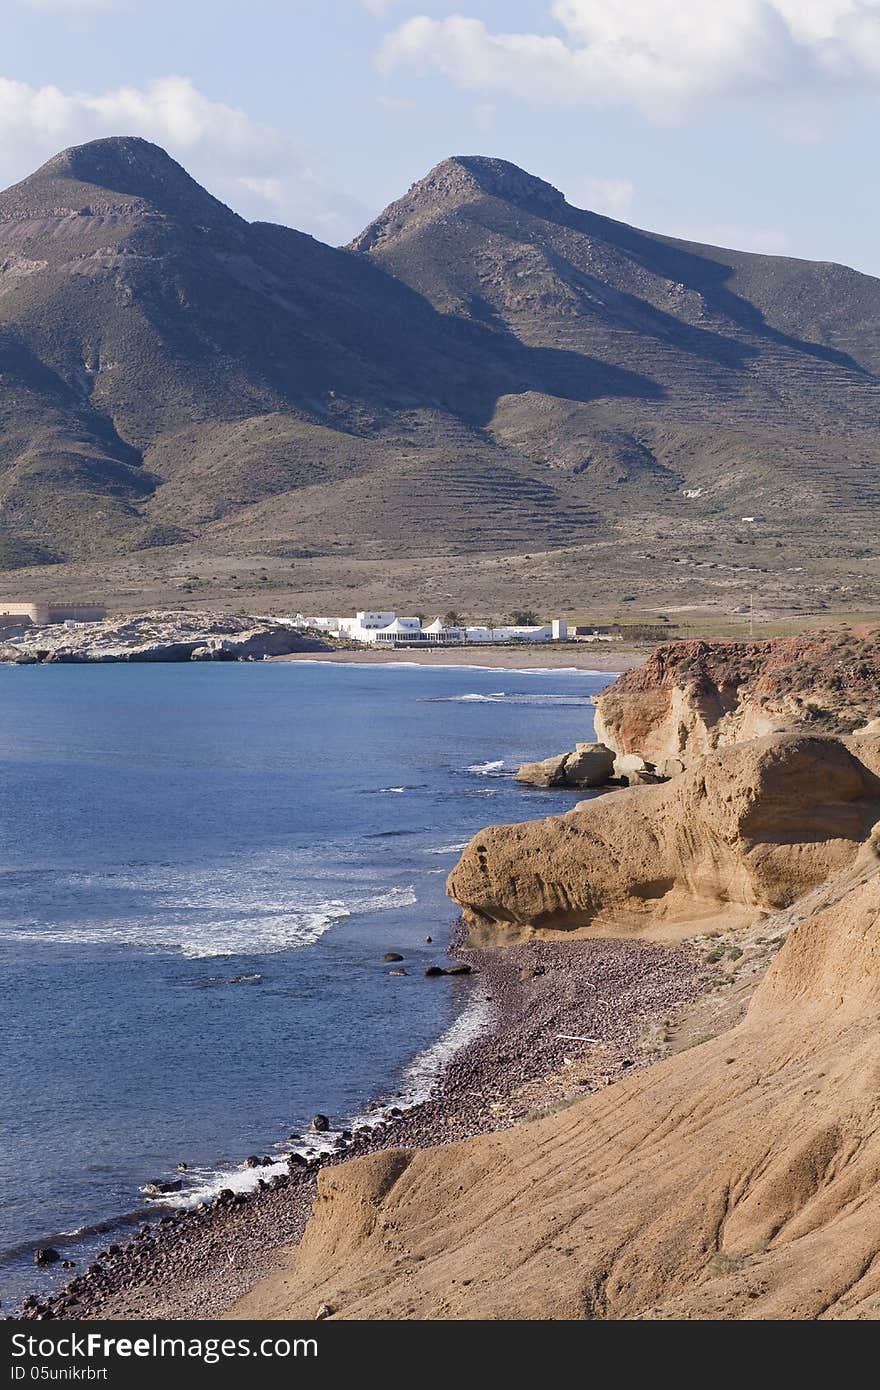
x: 485, y: 369
x: 768, y: 351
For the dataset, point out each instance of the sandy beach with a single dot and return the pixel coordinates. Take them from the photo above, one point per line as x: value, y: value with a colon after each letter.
x: 604, y: 657
x: 562, y: 1019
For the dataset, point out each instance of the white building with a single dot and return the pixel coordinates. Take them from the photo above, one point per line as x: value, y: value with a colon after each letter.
x: 388, y: 630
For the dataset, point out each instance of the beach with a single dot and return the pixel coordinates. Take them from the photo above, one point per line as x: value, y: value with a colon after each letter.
x: 559, y: 1020
x: 605, y: 657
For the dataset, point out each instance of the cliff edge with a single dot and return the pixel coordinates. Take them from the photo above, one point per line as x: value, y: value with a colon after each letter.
x: 744, y: 831
x: 692, y: 697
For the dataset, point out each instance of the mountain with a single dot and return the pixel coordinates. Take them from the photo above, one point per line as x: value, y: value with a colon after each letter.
x: 759, y: 373
x: 485, y: 371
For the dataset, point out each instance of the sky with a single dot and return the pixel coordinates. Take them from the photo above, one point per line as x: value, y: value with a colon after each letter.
x: 747, y: 123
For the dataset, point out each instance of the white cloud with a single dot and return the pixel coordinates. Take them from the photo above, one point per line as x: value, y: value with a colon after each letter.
x: 657, y: 55
x: 256, y: 169
x: 613, y: 197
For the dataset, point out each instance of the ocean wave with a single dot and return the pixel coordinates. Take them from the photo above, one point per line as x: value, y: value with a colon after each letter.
x: 502, y: 697
x: 450, y: 849
x: 425, y: 1072
x: 253, y: 927
x: 493, y: 768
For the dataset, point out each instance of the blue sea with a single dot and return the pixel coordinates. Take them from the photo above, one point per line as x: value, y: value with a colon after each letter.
x: 200, y: 866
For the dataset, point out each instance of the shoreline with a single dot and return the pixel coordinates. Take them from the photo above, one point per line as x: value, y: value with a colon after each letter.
x: 602, y: 995
x: 526, y: 659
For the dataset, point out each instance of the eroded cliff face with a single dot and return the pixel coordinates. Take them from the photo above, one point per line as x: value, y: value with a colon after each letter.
x: 737, y: 1180
x: 692, y: 697
x: 744, y: 830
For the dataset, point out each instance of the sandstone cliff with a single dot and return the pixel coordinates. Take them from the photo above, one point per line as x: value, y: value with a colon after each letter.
x: 745, y: 830
x: 691, y: 697
x: 737, y: 1180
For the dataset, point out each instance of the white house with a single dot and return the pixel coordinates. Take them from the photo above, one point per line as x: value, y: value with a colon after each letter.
x: 388, y: 630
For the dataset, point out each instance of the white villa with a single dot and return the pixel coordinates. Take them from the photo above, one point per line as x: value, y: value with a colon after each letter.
x: 388, y: 630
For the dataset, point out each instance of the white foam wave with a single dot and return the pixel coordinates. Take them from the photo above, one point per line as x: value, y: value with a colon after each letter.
x: 250, y: 926
x: 450, y: 849
x: 424, y: 1073
x: 420, y: 1081
x: 493, y: 768
x: 502, y: 697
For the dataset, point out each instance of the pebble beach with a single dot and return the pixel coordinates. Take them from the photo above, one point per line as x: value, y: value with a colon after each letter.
x: 560, y: 1019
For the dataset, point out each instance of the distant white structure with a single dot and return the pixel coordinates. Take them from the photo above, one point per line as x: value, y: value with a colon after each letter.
x: 387, y: 629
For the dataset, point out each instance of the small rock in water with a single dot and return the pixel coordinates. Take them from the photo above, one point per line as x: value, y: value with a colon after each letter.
x: 45, y: 1255
x: 68, y: 1264
x: 397, y: 972
x: 180, y: 1167
x: 252, y: 1161
x: 391, y: 955
x: 459, y: 969
x: 158, y: 1187
x: 433, y: 970
x: 429, y: 939
x: 320, y: 1123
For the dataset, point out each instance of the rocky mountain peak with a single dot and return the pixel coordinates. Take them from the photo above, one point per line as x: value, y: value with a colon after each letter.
x: 113, y: 173
x: 459, y: 180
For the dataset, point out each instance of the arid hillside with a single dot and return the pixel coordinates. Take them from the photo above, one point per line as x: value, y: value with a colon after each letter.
x: 580, y: 412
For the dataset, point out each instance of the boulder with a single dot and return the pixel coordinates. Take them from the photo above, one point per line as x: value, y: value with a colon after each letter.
x: 625, y: 764
x: 46, y: 1255
x: 590, y: 765
x: 548, y: 773
x: 159, y: 1186
x: 644, y: 779
x: 319, y: 1124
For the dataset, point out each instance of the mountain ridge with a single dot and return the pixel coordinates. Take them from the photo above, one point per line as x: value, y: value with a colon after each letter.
x: 484, y: 369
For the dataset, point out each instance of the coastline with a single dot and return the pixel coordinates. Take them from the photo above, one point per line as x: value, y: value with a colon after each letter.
x: 576, y: 657
x: 604, y: 996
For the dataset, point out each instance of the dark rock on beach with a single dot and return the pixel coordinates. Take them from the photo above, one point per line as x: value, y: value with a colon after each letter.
x: 320, y: 1123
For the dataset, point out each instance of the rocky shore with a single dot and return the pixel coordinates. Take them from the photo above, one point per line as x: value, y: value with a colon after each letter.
x: 563, y: 1019
x: 157, y: 636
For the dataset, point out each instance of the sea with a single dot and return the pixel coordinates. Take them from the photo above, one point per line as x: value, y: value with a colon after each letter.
x: 200, y: 868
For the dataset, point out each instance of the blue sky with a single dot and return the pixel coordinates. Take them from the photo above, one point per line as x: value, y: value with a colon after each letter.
x: 749, y: 123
